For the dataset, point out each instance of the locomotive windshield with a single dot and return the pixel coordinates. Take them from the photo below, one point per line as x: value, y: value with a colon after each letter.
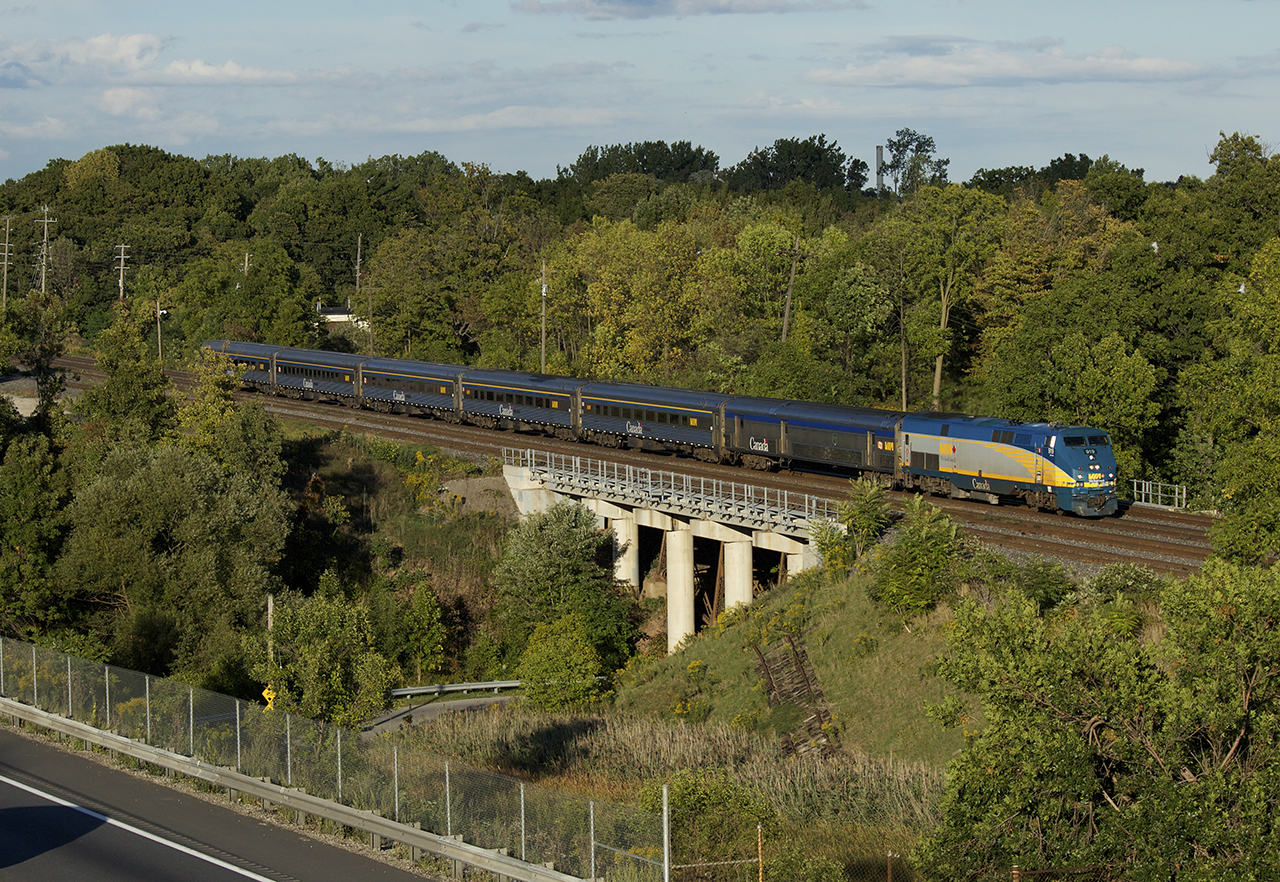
x: 1087, y: 440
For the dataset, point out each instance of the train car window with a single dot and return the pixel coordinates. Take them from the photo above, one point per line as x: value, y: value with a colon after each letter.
x: 1074, y: 440
x: 1023, y: 440
x: 1006, y: 437
x: 946, y: 430
x: 648, y: 416
x: 1098, y: 440
x: 995, y: 435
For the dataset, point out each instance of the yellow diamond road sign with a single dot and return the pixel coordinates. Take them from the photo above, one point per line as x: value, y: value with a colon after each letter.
x: 270, y: 695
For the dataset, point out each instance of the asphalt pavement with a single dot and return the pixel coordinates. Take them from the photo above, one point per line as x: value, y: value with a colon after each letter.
x: 66, y: 816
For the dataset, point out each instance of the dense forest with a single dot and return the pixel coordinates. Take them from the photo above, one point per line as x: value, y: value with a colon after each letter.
x: 149, y: 528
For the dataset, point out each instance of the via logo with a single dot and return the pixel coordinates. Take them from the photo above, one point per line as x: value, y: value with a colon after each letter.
x: 636, y: 428
x: 760, y: 445
x: 981, y: 485
x: 506, y: 410
x: 397, y: 395
x: 308, y: 383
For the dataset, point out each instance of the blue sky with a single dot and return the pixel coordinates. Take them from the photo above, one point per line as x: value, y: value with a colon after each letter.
x: 529, y: 84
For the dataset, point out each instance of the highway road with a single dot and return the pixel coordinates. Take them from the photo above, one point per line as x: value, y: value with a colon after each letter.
x: 66, y: 816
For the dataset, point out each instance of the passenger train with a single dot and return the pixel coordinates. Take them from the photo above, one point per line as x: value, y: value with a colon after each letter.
x: 1050, y: 466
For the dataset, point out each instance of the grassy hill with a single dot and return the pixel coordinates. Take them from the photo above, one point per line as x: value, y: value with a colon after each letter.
x: 877, y: 675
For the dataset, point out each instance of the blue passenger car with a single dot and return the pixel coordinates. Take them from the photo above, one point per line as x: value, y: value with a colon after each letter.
x: 403, y: 386
x: 512, y: 398
x: 616, y: 412
x: 314, y: 374
x: 762, y: 431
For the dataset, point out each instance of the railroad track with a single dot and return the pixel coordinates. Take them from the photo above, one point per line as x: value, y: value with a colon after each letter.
x: 1170, y: 542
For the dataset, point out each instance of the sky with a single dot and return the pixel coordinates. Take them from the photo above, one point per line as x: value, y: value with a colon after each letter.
x: 528, y: 85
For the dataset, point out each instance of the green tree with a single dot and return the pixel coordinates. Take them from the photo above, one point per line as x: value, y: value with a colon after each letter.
x: 948, y: 234
x: 555, y: 564
x: 425, y: 631
x: 34, y: 495
x: 179, y: 554
x: 1106, y: 746
x: 133, y: 403
x: 912, y: 162
x: 1233, y: 398
x: 322, y: 662
x: 914, y: 572
x: 559, y: 668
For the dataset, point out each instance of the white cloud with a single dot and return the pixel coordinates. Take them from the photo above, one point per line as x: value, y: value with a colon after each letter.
x: 131, y: 51
x: 197, y: 70
x: 48, y: 128
x: 513, y: 117
x: 613, y: 9
x: 932, y: 62
x: 131, y: 101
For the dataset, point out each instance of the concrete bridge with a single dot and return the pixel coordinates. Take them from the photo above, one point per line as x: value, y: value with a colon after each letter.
x: 742, y: 518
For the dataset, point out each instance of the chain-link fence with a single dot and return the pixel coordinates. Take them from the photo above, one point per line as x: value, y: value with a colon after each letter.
x: 588, y: 839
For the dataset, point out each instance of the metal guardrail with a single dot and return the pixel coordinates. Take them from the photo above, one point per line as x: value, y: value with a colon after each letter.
x: 388, y: 790
x: 727, y: 502
x: 366, y: 822
x: 440, y: 688
x: 1164, y: 495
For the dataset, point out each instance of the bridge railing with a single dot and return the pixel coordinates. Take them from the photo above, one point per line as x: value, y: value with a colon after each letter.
x: 675, y: 493
x: 1155, y: 493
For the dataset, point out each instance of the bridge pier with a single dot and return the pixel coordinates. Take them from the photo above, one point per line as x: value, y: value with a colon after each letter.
x: 739, y: 536
x: 680, y: 585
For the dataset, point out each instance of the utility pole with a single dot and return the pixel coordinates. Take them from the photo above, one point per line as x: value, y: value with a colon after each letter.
x: 796, y: 254
x: 44, y: 246
x: 359, y: 245
x: 247, y: 255
x: 544, y: 316
x: 4, y: 289
x: 159, y: 346
x: 122, y: 256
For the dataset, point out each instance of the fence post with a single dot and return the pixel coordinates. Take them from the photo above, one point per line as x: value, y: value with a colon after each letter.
x: 448, y: 802
x: 760, y: 852
x: 70, y: 715
x: 147, y: 681
x: 339, y: 765
x: 237, y: 735
x: 591, y: 829
x: 191, y: 721
x: 35, y: 680
x: 395, y: 778
x: 522, y: 820
x: 288, y: 751
x: 666, y: 833
x: 106, y: 682
x: 1, y: 666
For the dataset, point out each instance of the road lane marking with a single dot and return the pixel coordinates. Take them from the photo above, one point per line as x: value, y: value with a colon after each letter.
x: 134, y: 830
